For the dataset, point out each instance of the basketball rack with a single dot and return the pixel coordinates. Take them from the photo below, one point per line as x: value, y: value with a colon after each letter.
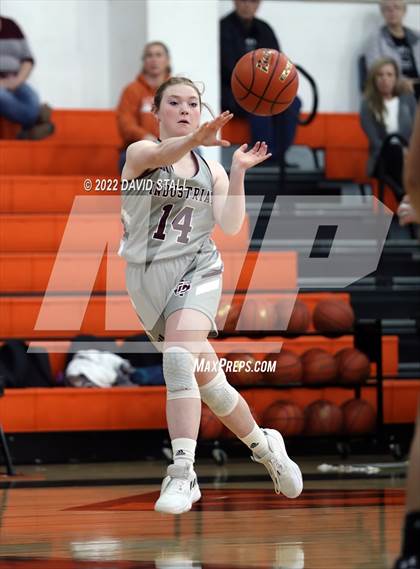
x: 367, y: 335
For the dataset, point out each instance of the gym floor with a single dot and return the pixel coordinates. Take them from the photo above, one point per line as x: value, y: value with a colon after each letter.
x: 100, y: 516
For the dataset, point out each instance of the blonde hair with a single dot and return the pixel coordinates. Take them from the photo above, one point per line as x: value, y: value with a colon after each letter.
x: 165, y: 49
x: 372, y: 95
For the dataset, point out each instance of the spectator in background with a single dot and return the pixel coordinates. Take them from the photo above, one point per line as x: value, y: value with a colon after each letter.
x: 134, y: 112
x: 387, y: 109
x: 395, y: 41
x: 241, y: 32
x: 19, y: 103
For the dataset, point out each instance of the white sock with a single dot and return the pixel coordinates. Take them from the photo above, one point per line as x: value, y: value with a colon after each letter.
x: 183, y: 451
x: 256, y: 441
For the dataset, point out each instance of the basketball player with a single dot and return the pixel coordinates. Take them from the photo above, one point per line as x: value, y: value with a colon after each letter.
x: 174, y: 280
x: 410, y: 553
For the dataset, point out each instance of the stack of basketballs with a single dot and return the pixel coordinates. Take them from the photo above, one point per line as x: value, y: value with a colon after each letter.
x: 316, y: 367
x: 330, y: 316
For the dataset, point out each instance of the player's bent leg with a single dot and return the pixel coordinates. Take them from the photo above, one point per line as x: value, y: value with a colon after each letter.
x: 267, y: 444
x: 285, y: 473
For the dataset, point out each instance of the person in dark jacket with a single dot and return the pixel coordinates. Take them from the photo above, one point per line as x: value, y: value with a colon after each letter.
x: 241, y: 32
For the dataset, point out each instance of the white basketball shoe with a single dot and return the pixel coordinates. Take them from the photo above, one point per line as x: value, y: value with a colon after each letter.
x: 285, y: 473
x: 179, y: 490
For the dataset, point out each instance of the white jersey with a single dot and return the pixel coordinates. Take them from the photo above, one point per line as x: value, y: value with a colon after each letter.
x: 166, y: 216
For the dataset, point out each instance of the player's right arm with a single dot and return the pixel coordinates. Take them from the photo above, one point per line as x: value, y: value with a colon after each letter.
x: 146, y: 155
x: 412, y: 166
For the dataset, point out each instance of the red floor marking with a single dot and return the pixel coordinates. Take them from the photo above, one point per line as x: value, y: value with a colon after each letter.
x: 30, y: 563
x: 238, y: 499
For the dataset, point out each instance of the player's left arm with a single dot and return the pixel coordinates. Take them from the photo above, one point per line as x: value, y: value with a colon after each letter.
x: 228, y: 198
x: 229, y: 192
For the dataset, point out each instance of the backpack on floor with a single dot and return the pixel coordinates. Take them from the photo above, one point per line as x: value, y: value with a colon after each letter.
x: 139, y: 358
x: 20, y: 368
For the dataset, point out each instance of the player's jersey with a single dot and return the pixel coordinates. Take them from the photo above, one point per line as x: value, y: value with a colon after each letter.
x: 166, y: 216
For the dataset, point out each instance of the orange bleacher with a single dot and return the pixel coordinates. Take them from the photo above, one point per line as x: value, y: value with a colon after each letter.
x: 39, y: 182
x: 66, y: 409
x: 339, y: 134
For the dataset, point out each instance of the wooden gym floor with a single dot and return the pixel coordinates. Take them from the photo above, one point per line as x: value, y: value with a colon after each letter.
x: 100, y: 516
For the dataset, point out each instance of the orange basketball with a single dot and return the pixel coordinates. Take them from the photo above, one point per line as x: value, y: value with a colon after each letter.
x: 288, y: 368
x: 257, y: 315
x: 227, y: 314
x: 359, y: 417
x: 323, y: 418
x: 333, y: 316
x: 300, y: 317
x: 318, y: 366
x: 210, y: 426
x: 286, y: 417
x: 264, y: 82
x: 240, y: 367
x: 353, y: 366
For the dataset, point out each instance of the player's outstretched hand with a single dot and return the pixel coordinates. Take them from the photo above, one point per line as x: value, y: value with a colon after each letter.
x: 206, y: 135
x: 257, y: 154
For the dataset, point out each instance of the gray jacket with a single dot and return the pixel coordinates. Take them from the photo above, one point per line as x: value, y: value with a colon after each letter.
x: 381, y: 45
x: 376, y: 132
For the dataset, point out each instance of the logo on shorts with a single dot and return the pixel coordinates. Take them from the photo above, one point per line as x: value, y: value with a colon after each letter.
x: 182, y: 287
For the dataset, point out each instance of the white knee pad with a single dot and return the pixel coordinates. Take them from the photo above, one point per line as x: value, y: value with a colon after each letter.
x: 178, y: 371
x: 219, y: 395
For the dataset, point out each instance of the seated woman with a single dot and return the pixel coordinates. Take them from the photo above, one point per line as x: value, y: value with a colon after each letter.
x: 135, y: 119
x: 387, y: 109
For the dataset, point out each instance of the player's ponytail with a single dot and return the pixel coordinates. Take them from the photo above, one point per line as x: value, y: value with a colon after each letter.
x: 210, y: 110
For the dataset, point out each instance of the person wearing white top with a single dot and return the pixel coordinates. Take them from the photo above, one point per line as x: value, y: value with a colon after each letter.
x: 387, y: 108
x: 392, y: 107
